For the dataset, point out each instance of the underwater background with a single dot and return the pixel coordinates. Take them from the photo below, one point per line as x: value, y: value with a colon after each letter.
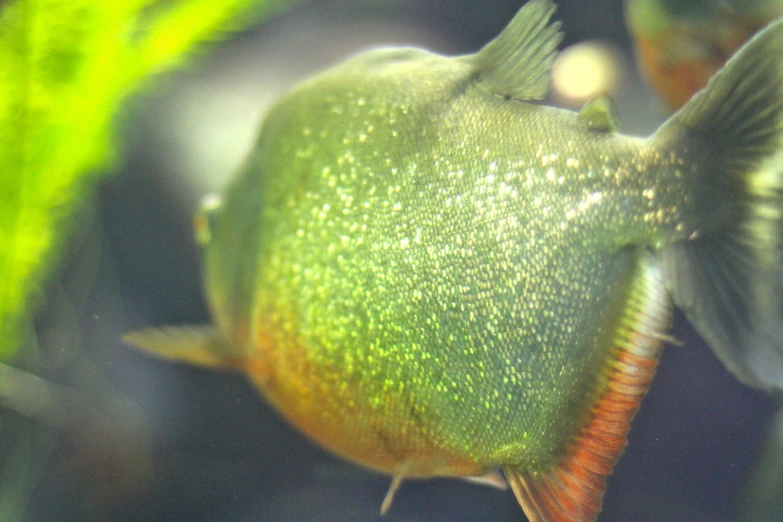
x: 144, y: 439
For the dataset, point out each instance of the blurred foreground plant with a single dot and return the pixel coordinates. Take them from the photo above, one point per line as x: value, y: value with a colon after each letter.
x: 66, y: 67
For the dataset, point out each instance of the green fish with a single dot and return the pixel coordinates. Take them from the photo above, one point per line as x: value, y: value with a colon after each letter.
x: 432, y: 276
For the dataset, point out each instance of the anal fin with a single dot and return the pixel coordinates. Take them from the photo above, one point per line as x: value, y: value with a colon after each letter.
x: 572, y: 491
x: 493, y: 479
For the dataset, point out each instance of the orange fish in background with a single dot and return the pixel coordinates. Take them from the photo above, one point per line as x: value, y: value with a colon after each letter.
x: 681, y: 44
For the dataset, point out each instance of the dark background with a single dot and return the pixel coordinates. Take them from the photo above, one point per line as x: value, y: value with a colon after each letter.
x: 165, y: 442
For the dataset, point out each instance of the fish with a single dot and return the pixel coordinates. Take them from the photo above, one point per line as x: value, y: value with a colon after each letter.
x: 680, y: 44
x: 431, y: 273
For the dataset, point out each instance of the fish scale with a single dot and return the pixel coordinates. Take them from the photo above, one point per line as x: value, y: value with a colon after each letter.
x: 468, y: 246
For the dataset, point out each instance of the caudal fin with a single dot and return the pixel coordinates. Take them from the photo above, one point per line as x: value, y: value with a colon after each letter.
x: 729, y: 281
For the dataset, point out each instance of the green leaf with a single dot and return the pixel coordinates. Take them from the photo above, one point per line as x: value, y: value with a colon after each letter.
x: 66, y: 67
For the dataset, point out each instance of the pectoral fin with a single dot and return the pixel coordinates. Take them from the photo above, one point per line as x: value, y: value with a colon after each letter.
x: 199, y: 345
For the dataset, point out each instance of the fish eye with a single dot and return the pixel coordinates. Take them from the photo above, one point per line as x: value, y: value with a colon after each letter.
x: 204, y: 221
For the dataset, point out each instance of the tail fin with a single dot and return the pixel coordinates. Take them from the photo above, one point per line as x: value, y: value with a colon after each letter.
x: 729, y: 283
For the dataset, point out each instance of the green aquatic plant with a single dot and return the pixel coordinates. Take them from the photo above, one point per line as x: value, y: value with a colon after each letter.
x: 66, y: 68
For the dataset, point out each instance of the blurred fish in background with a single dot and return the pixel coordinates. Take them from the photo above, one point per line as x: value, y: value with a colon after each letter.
x: 218, y: 453
x: 85, y: 439
x: 680, y: 44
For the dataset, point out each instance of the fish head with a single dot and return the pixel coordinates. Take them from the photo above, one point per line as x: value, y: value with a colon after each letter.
x: 226, y: 229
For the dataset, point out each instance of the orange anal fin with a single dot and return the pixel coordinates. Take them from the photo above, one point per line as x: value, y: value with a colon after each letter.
x: 572, y: 491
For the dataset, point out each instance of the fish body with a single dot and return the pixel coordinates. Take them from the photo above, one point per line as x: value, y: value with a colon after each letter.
x: 681, y: 44
x: 392, y: 265
x: 432, y: 276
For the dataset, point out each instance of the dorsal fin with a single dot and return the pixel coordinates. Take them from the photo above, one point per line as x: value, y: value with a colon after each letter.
x: 600, y: 114
x: 572, y: 490
x: 200, y: 345
x: 517, y: 63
